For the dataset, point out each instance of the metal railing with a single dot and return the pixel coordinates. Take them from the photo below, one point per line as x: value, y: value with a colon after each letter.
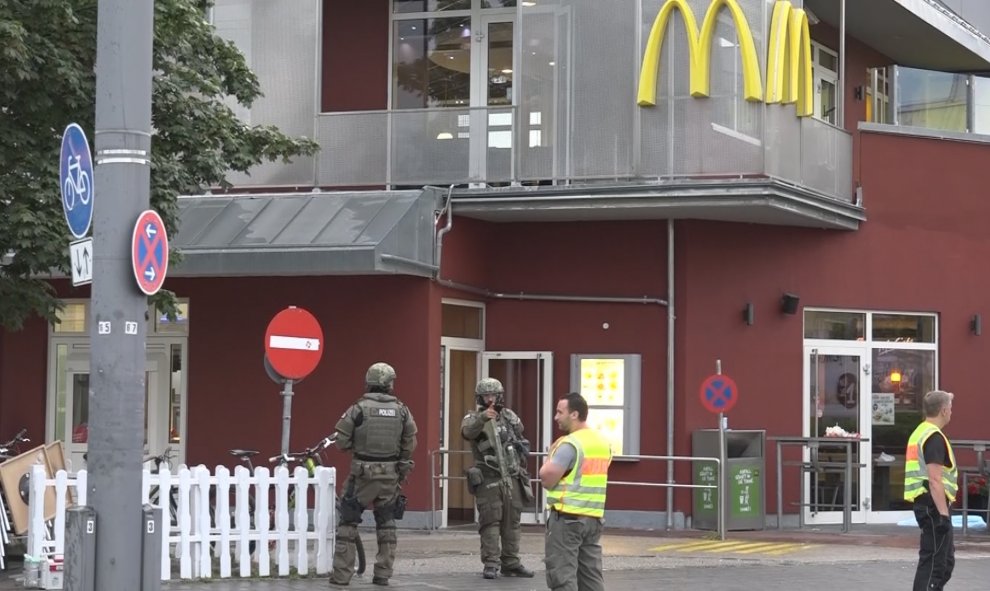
x: 982, y: 468
x: 437, y: 481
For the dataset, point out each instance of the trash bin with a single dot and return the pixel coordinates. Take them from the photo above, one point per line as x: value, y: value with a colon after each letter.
x: 745, y: 466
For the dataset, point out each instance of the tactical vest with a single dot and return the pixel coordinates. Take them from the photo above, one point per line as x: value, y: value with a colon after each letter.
x: 483, y: 449
x: 379, y: 433
x: 582, y: 491
x: 916, y: 470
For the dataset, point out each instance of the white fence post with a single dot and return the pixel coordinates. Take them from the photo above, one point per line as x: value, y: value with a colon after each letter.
x: 36, y: 511
x: 326, y: 519
x: 242, y: 518
x: 301, y: 521
x: 261, y: 520
x: 169, y: 515
x: 185, y: 559
x: 222, y: 514
x: 282, y: 518
x: 202, y: 518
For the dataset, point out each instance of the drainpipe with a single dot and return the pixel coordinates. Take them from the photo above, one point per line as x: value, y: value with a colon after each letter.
x: 670, y: 372
x: 840, y: 119
x: 446, y: 209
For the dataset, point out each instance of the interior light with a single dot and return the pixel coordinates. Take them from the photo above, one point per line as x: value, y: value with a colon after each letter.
x: 507, y: 71
x: 445, y: 135
x: 552, y: 63
x: 895, y: 376
x: 528, y: 3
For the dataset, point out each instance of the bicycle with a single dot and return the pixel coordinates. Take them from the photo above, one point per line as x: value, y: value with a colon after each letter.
x: 12, y: 449
x: 76, y: 184
x: 310, y: 458
x: 154, y: 492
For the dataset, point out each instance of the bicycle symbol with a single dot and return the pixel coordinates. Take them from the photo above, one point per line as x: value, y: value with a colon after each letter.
x: 77, y: 185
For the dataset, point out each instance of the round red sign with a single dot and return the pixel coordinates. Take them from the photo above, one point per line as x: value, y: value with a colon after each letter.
x: 719, y: 393
x: 294, y: 343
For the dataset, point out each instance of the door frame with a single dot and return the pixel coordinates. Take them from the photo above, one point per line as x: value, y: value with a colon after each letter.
x: 859, y: 514
x: 544, y: 410
x: 157, y: 407
x: 479, y: 109
x: 450, y: 426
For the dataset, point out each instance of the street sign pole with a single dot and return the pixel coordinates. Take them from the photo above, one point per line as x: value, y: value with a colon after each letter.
x: 286, y: 414
x: 117, y: 366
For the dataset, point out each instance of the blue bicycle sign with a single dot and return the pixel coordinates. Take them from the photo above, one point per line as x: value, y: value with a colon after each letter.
x: 76, y: 180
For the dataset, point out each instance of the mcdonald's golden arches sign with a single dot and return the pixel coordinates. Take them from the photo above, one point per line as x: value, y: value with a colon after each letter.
x: 788, y: 72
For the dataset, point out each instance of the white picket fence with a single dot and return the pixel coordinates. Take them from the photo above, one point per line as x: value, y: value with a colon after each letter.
x: 202, y: 546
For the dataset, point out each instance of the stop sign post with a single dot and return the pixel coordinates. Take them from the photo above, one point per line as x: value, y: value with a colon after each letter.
x: 293, y: 348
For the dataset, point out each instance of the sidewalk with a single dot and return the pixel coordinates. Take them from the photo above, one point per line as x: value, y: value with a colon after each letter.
x: 448, y: 560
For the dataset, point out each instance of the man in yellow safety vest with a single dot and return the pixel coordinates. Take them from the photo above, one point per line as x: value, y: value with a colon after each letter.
x: 930, y: 476
x: 575, y: 477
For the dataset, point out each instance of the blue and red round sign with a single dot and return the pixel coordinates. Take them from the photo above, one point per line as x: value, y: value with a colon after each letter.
x: 149, y: 252
x: 719, y: 393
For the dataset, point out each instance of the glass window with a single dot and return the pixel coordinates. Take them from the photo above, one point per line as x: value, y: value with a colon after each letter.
x: 934, y: 100
x: 431, y: 63
x: 80, y: 407
x: 462, y: 321
x: 903, y: 328
x: 61, y: 355
x: 826, y: 82
x: 904, y: 373
x: 175, y: 395
x: 178, y: 326
x: 400, y: 6
x: 504, y: 3
x: 71, y: 318
x: 840, y: 326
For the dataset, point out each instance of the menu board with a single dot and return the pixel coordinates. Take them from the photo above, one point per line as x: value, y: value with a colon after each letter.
x: 603, y: 381
x: 608, y: 422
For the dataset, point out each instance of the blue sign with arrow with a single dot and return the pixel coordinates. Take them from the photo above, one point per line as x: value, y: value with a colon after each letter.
x: 76, y: 180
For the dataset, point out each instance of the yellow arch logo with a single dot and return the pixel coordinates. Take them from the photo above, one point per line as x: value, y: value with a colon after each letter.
x: 789, y: 78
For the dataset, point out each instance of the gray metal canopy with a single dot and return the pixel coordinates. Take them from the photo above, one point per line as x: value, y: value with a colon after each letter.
x: 356, y: 233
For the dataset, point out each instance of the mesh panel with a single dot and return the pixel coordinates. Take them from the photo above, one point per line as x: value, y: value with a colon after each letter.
x: 354, y: 148
x: 826, y: 161
x: 279, y: 38
x: 431, y: 146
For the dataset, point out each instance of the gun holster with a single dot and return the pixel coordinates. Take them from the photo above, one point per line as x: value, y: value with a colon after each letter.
x: 399, y: 509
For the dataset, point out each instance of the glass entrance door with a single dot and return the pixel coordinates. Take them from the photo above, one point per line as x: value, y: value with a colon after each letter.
x: 492, y: 99
x: 75, y: 421
x: 835, y: 378
x: 528, y: 381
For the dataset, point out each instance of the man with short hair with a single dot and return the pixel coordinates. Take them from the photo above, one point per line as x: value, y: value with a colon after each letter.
x: 575, y: 477
x: 930, y: 483
x: 380, y: 433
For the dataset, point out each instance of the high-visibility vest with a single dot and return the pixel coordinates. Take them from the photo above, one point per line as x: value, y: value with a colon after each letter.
x: 582, y: 491
x: 916, y: 470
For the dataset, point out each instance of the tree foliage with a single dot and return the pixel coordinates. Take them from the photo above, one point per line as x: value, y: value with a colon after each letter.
x: 47, y: 80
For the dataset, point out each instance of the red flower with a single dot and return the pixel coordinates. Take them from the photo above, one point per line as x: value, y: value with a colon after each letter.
x: 977, y: 485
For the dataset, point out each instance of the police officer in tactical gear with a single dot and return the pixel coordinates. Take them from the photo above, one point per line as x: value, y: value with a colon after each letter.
x: 380, y: 433
x: 498, y: 479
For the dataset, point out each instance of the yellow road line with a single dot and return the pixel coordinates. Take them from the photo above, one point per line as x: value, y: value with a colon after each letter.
x: 734, y: 547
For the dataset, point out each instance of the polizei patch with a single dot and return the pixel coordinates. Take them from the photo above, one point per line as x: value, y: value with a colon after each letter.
x: 386, y: 412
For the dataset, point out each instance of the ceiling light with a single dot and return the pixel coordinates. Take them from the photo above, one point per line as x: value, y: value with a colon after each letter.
x: 507, y: 71
x: 445, y: 135
x: 528, y: 3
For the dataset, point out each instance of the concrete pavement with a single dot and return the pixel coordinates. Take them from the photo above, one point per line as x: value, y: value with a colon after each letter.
x: 875, y: 558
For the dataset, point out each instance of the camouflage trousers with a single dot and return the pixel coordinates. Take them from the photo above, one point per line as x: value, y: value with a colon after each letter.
x: 499, y: 511
x: 381, y: 496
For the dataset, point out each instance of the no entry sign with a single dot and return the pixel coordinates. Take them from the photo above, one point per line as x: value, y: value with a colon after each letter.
x: 294, y: 343
x: 719, y: 393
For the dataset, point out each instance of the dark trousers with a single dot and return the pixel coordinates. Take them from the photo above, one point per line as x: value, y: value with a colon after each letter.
x: 937, y: 556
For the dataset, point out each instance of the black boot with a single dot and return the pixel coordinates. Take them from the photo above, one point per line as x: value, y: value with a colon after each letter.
x: 380, y: 581
x: 490, y: 572
x: 517, y: 571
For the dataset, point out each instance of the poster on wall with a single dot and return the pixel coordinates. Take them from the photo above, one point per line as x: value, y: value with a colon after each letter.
x: 602, y: 381
x: 883, y: 408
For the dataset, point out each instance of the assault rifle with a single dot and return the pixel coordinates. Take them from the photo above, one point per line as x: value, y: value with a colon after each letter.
x: 492, y: 431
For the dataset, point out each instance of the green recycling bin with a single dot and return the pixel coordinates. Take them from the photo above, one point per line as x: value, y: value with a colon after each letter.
x: 745, y: 465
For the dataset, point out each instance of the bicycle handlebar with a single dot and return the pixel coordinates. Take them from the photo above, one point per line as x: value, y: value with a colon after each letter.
x: 19, y: 438
x: 159, y: 459
x: 309, y: 452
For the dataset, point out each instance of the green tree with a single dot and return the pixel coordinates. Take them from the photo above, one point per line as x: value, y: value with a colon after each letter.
x: 47, y: 80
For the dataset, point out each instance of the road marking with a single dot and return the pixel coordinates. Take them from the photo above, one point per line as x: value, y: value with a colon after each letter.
x: 734, y: 547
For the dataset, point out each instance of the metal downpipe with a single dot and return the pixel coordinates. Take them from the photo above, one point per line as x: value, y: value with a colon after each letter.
x: 670, y: 372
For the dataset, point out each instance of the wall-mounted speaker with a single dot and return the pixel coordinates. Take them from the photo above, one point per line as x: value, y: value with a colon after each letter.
x: 789, y: 303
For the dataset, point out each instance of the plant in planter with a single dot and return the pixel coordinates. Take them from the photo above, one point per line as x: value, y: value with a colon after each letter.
x: 977, y: 493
